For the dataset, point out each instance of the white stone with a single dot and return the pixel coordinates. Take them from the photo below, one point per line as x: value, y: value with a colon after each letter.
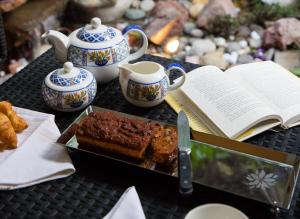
x: 188, y: 27
x: 254, y: 35
x: 215, y: 58
x: 136, y: 4
x: 231, y: 57
x: 255, y: 43
x: 244, y: 51
x: 192, y: 59
x: 147, y: 5
x: 2, y: 73
x: 196, y: 9
x: 134, y: 14
x: 243, y: 44
x: 201, y: 46
x: 220, y: 41
x: 231, y: 37
x: 196, y: 33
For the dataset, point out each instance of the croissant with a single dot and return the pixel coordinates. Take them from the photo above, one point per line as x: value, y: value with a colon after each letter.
x: 18, y: 123
x: 8, y: 136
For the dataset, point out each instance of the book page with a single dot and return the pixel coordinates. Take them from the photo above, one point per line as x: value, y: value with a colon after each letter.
x: 273, y: 84
x: 227, y: 104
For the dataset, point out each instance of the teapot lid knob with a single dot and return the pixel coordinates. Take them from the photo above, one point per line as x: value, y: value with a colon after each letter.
x: 95, y: 22
x: 68, y: 66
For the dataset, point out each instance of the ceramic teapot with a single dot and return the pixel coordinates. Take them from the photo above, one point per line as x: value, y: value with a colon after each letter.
x: 96, y: 47
x: 145, y: 84
x: 69, y: 89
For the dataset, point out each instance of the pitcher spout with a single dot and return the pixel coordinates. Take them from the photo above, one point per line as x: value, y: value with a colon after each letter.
x: 125, y: 70
x: 60, y: 43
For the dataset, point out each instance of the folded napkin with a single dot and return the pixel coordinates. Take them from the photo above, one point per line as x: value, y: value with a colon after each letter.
x: 37, y: 158
x: 128, y: 206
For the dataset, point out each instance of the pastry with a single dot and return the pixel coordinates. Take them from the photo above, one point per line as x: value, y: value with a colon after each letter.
x: 164, y: 147
x: 114, y: 133
x: 8, y: 136
x: 18, y: 123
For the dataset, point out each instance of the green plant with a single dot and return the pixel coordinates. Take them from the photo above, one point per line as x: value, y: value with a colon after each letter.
x: 255, y: 11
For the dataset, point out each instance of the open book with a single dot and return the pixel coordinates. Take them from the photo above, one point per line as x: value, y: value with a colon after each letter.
x: 241, y: 102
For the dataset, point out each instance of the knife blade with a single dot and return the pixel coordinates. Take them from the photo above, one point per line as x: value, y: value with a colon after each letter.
x: 184, y: 150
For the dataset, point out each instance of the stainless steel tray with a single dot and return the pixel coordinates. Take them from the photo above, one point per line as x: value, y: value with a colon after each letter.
x: 242, y: 169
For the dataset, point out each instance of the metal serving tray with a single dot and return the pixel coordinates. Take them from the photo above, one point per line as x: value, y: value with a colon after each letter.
x: 242, y: 169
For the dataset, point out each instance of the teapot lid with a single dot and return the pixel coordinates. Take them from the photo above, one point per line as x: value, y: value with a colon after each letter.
x: 68, y: 78
x: 95, y: 32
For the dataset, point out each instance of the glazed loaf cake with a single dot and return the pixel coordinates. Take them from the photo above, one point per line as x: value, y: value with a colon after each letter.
x: 114, y: 133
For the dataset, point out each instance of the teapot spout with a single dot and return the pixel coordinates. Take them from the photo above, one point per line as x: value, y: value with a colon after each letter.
x: 60, y: 43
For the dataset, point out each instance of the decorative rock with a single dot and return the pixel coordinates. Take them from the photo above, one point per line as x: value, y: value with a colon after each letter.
x: 282, y: 33
x: 192, y: 59
x: 243, y: 44
x: 231, y: 37
x: 288, y: 59
x: 233, y: 46
x: 134, y: 14
x: 213, y: 9
x: 107, y: 14
x: 169, y: 17
x: 258, y: 29
x: 201, y: 46
x: 269, y: 54
x: 2, y: 73
x: 95, y: 3
x: 259, y: 54
x: 215, y: 58
x: 243, y: 32
x: 195, y: 10
x: 196, y: 33
x: 220, y: 41
x: 188, y: 27
x: 136, y: 4
x: 244, y: 59
x: 245, y: 50
x: 231, y: 58
x: 255, y: 43
x: 254, y: 35
x: 147, y: 5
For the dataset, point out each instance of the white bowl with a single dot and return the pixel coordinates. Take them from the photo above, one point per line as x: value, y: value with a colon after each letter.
x: 215, y: 211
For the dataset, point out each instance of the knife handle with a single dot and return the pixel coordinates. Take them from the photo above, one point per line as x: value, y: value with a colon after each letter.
x: 185, y: 174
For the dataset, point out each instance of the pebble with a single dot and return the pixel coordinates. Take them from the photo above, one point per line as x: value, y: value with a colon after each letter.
x: 255, y: 43
x: 2, y: 73
x: 269, y: 54
x: 136, y: 4
x: 243, y: 44
x: 188, y: 27
x: 147, y: 5
x: 244, y: 59
x: 195, y: 10
x: 233, y: 46
x: 134, y: 14
x: 201, y: 46
x: 192, y: 59
x: 196, y: 33
x: 243, y: 32
x: 254, y: 35
x: 220, y: 41
x: 231, y: 57
x: 231, y: 37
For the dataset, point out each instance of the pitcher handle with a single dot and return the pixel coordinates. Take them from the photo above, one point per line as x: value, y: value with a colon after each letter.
x: 141, y: 51
x: 179, y: 83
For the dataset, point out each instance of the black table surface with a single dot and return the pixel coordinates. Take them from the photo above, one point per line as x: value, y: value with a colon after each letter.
x: 98, y: 182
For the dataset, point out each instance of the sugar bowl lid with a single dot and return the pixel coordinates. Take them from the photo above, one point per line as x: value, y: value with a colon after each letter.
x: 68, y: 78
x: 95, y: 32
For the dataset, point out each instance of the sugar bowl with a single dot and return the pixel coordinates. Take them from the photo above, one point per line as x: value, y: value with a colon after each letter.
x: 69, y: 88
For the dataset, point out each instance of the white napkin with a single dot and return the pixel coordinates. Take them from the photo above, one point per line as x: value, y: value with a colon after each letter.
x: 37, y: 158
x: 128, y: 206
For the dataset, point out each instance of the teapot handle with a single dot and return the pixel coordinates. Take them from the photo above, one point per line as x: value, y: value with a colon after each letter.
x: 141, y: 51
x: 179, y: 83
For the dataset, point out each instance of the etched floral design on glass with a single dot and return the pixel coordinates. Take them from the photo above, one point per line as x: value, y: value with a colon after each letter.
x: 261, y: 180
